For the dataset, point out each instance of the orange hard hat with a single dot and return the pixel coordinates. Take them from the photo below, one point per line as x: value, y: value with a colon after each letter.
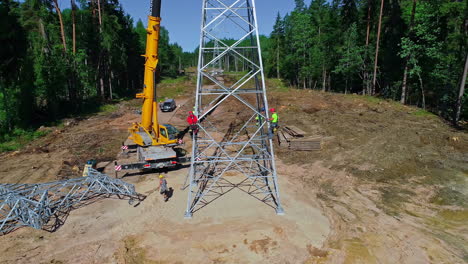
x: 272, y: 110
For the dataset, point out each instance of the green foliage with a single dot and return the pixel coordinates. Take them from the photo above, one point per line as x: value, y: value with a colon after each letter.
x: 18, y: 138
x: 450, y: 196
x: 277, y: 84
x: 367, y: 98
x: 172, y: 88
x: 108, y: 108
x: 352, y: 58
x: 422, y: 113
x: 41, y: 81
x: 177, y: 80
x: 327, y: 46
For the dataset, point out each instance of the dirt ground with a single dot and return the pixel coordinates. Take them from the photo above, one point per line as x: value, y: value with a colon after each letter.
x: 389, y: 186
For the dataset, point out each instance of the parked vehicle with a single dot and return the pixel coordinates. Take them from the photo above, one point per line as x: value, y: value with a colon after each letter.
x: 168, y: 106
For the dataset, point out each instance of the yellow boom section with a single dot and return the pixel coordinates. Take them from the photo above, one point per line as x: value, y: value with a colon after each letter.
x: 149, y: 113
x: 149, y: 132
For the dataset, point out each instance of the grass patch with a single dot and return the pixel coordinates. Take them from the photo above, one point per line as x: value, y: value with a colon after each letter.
x: 423, y: 113
x: 450, y: 196
x: 327, y: 189
x: 108, y: 108
x: 172, y: 88
x: 392, y: 198
x: 177, y: 80
x: 18, y: 138
x: 460, y: 216
x: 371, y: 99
x: 277, y: 84
x: 171, y: 92
x: 367, y: 98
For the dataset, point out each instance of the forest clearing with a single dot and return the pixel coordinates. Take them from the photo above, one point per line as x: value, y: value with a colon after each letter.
x: 336, y: 136
x: 378, y: 192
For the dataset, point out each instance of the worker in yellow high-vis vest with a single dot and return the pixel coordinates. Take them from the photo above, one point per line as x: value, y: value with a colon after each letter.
x: 273, y: 120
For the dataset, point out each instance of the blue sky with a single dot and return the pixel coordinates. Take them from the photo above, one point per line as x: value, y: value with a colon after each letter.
x: 182, y: 17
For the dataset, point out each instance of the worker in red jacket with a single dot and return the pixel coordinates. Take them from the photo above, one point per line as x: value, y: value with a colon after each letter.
x: 192, y: 120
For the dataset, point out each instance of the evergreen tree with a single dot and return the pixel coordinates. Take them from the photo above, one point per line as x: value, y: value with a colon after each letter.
x: 277, y: 37
x: 349, y: 13
x: 352, y: 60
x: 300, y: 5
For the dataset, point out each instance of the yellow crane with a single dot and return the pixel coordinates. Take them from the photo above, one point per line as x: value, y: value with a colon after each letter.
x: 154, y: 141
x: 149, y: 132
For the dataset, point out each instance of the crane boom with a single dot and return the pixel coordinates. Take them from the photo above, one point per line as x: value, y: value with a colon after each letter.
x: 149, y: 132
x: 155, y: 143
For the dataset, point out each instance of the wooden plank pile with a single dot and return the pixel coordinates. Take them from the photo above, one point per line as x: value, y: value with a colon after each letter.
x: 294, y: 138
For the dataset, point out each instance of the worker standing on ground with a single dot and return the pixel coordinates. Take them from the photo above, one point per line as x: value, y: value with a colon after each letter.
x: 274, y: 121
x: 192, y: 120
x: 163, y: 190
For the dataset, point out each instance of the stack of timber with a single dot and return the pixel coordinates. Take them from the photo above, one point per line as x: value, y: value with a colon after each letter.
x: 294, y: 138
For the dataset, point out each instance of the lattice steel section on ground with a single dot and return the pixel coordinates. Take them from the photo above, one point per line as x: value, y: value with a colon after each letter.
x: 35, y: 205
x: 233, y: 148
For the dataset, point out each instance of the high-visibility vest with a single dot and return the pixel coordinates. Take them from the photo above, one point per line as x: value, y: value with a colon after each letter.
x: 274, y: 118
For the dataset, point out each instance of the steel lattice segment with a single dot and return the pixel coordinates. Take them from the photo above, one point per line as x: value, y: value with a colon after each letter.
x: 34, y: 205
x: 233, y: 146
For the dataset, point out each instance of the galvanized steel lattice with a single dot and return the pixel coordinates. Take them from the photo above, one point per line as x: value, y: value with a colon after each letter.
x: 233, y: 139
x: 34, y: 205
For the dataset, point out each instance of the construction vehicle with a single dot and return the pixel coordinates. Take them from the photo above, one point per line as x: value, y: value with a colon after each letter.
x: 154, y: 142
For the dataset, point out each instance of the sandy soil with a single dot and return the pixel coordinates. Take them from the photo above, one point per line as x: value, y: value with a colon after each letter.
x: 235, y: 228
x: 376, y: 193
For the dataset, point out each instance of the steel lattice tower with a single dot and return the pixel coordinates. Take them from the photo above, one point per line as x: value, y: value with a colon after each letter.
x: 233, y: 147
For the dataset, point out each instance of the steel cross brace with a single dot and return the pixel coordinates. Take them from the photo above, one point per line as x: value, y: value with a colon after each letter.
x: 35, y: 205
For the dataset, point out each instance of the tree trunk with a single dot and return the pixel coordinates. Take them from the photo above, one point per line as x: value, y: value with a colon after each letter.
x: 111, y: 76
x: 73, y: 90
x: 404, y: 85
x: 366, y: 72
x: 405, y: 73
x: 236, y: 61
x: 93, y: 8
x: 101, y: 83
x: 324, y: 84
x: 374, y: 81
x: 368, y: 22
x: 44, y: 35
x: 99, y: 12
x: 461, y: 92
x: 73, y: 5
x: 278, y: 61
x: 304, y: 60
x: 422, y: 92
x: 346, y: 86
x: 62, y: 30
